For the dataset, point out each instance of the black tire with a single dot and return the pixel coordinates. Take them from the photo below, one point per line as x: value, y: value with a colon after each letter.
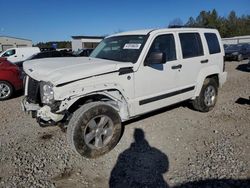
x: 79, y: 124
x: 10, y: 89
x: 239, y: 57
x: 199, y: 103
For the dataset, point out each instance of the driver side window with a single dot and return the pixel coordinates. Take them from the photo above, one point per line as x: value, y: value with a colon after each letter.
x: 9, y: 53
x: 166, y: 45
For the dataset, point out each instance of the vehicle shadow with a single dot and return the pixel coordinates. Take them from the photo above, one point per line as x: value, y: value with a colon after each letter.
x: 243, y: 101
x: 243, y: 68
x: 17, y: 94
x: 140, y: 165
x: 216, y: 183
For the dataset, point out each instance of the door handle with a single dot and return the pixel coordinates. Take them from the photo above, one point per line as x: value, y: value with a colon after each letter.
x: 176, y: 66
x: 204, y: 61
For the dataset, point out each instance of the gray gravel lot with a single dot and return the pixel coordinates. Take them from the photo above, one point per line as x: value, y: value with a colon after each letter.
x: 175, y: 146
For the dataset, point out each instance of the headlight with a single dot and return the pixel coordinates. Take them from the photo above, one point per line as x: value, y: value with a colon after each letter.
x: 47, y: 92
x: 235, y: 53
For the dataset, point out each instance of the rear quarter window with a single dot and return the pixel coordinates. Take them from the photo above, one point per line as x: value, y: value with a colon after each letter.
x: 191, y: 45
x: 213, y: 43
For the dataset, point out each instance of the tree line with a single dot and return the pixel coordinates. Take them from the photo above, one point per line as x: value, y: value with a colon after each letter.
x: 229, y: 26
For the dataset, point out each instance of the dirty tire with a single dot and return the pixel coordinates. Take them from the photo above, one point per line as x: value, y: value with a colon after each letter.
x: 7, y: 86
x: 199, y: 103
x: 79, y: 124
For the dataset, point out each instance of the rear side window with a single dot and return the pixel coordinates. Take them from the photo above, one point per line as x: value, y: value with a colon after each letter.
x: 213, y: 43
x: 191, y: 45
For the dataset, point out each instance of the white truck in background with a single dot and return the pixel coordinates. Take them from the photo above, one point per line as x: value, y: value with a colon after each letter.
x: 19, y: 54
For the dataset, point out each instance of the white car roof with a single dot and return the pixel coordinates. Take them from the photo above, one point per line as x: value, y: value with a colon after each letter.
x: 147, y: 31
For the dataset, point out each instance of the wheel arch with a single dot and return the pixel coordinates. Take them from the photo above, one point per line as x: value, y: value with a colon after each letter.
x: 112, y: 97
x: 211, y: 72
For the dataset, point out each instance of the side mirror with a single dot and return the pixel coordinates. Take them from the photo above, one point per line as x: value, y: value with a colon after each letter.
x: 156, y: 58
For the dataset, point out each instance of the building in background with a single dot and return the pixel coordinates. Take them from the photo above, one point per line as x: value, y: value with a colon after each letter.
x: 236, y: 40
x: 81, y: 42
x: 7, y: 42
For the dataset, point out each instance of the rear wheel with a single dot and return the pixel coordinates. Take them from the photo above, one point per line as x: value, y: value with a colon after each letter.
x: 208, y: 96
x: 6, y: 90
x: 94, y: 129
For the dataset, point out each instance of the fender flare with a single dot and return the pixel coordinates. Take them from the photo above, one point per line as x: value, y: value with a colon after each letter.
x: 203, y: 74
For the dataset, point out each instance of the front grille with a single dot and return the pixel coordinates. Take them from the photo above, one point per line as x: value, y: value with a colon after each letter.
x: 33, y: 91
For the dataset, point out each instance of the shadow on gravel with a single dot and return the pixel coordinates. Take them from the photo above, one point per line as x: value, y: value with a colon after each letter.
x: 46, y: 136
x: 243, y: 68
x: 216, y: 183
x: 140, y: 165
x: 143, y: 166
x: 18, y: 94
x: 243, y: 101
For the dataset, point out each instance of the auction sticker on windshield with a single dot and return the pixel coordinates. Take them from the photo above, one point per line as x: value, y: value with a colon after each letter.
x: 133, y: 46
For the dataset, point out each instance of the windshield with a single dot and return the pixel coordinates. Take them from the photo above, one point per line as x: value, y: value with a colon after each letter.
x: 120, y: 48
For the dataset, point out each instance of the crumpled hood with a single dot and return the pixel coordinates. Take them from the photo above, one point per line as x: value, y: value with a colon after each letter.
x: 62, y: 70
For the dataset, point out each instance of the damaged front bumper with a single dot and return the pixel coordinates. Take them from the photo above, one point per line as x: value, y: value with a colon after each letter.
x: 44, y: 115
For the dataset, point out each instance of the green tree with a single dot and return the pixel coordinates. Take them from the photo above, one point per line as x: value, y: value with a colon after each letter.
x: 229, y: 26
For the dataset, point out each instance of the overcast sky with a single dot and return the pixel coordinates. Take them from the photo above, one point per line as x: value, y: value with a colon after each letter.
x: 52, y: 20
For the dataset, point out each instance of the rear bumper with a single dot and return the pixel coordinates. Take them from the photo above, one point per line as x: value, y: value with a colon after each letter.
x: 222, y: 78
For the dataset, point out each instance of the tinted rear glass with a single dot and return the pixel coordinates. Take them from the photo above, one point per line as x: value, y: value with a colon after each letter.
x: 213, y: 43
x: 191, y: 45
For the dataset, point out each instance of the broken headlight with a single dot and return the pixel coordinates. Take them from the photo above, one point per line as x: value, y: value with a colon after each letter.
x: 47, y: 92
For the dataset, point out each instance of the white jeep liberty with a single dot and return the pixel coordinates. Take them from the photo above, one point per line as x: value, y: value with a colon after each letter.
x: 127, y: 75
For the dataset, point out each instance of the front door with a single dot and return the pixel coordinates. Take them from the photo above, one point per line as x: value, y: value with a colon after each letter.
x: 155, y: 83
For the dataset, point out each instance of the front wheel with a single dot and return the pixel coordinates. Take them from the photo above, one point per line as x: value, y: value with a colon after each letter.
x: 94, y: 129
x: 208, y: 96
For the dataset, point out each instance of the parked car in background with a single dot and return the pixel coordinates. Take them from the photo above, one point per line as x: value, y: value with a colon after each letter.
x: 83, y: 52
x: 47, y: 54
x: 225, y: 46
x: 47, y: 49
x: 248, y: 64
x: 237, y: 52
x: 10, y: 79
x: 19, y: 54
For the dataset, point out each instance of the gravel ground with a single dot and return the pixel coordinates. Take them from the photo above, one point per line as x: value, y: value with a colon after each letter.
x: 175, y: 147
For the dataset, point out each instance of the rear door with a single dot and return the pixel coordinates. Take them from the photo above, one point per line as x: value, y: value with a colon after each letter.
x: 192, y: 60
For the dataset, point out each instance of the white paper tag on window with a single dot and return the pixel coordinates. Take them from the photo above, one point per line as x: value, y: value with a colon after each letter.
x: 133, y: 46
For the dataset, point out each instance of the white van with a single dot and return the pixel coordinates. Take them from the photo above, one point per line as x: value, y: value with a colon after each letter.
x: 19, y: 54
